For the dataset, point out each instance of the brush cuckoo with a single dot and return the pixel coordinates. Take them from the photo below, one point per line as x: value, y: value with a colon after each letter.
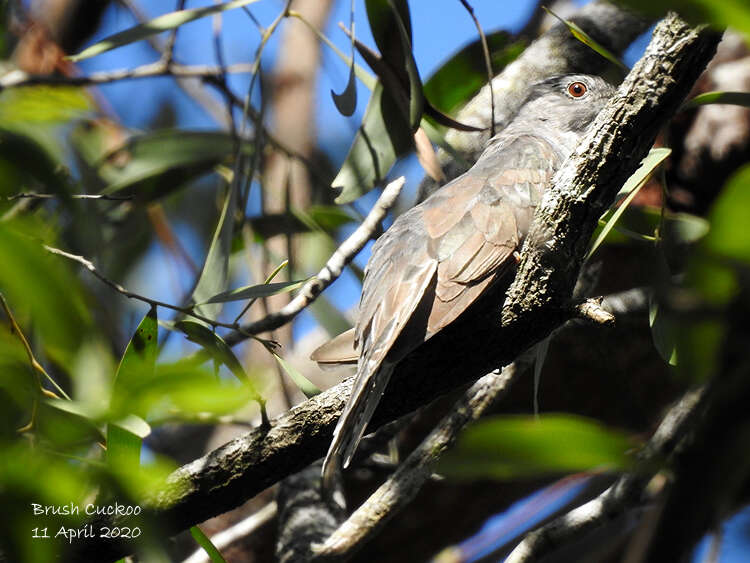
x: 441, y: 255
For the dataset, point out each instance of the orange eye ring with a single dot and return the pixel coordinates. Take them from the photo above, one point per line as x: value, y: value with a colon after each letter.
x: 577, y: 89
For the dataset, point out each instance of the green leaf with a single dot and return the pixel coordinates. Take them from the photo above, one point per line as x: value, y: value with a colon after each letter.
x: 42, y: 104
x: 712, y: 281
x: 135, y: 425
x: 182, y: 390
x: 587, y: 40
x: 165, y: 22
x: 123, y: 447
x: 663, y: 332
x: 329, y: 217
x: 274, y: 224
x: 383, y: 17
x: 305, y: 385
x: 664, y: 327
x: 365, y: 77
x: 215, y: 271
x: 346, y: 101
x: 41, y: 287
x: 316, y: 217
x: 464, y: 73
x: 633, y: 184
x: 26, y: 164
x: 509, y: 447
x: 139, y: 358
x: 407, y: 62
x: 203, y: 541
x: 640, y: 223
x: 383, y: 136
x: 732, y: 98
x: 256, y: 291
x: 700, y: 338
x: 685, y: 228
x: 395, y: 108
x: 77, y: 408
x: 31, y: 475
x: 68, y: 424
x: 213, y: 344
x: 729, y: 237
x: 124, y: 437
x: 653, y: 159
x: 153, y: 165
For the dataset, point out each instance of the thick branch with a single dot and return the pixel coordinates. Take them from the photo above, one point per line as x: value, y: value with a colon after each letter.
x: 474, y: 345
x: 588, y: 182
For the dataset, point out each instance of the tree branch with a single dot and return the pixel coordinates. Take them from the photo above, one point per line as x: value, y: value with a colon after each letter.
x: 19, y: 78
x: 330, y: 272
x: 405, y: 483
x: 614, y: 513
x: 476, y: 343
x: 333, y: 268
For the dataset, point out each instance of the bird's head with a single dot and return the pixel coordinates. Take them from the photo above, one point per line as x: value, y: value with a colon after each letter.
x: 568, y: 103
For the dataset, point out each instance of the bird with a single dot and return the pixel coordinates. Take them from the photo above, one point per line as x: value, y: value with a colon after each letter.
x: 441, y: 255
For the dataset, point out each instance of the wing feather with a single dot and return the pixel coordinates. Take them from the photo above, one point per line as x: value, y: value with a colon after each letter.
x: 433, y: 263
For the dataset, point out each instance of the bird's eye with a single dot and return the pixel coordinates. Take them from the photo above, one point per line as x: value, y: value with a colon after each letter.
x: 577, y: 89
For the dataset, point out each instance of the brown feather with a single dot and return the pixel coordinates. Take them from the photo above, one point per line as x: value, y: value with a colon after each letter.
x: 440, y: 256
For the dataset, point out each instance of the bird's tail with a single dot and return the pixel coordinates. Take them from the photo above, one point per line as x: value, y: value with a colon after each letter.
x: 368, y: 388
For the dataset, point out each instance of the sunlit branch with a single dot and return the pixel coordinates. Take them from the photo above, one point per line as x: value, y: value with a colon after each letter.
x: 19, y: 78
x: 307, y: 294
x: 34, y: 195
x: 330, y: 272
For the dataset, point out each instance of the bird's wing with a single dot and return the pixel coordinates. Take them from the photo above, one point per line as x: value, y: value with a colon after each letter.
x: 433, y: 262
x: 474, y: 244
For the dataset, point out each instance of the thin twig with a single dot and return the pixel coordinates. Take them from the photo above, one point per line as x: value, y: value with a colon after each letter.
x: 219, y: 52
x: 35, y: 195
x: 404, y: 484
x: 36, y: 367
x: 330, y: 272
x: 312, y: 167
x: 19, y: 78
x: 309, y: 292
x: 592, y: 310
x: 191, y: 87
x: 168, y: 54
x: 131, y: 295
x: 487, y: 62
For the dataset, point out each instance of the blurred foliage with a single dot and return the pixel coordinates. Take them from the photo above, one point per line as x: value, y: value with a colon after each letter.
x: 464, y: 73
x: 733, y: 13
x: 508, y: 447
x: 170, y: 187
